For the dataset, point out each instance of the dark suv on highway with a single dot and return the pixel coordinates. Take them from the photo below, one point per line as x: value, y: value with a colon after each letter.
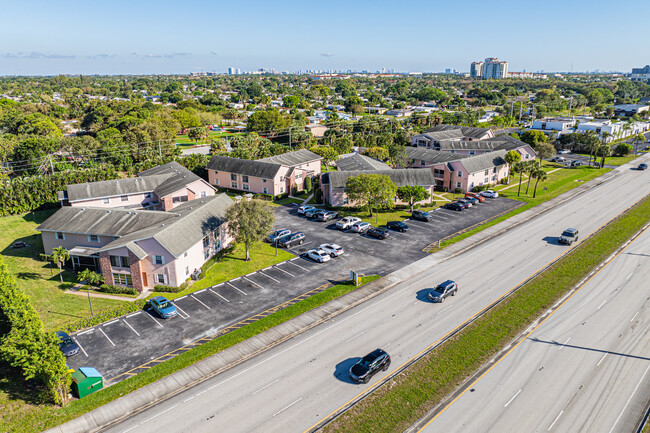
x: 369, y: 365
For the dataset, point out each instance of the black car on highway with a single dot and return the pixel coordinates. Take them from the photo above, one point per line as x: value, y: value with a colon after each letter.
x: 377, y: 232
x: 642, y: 166
x: 369, y: 365
x: 454, y: 206
x: 421, y: 215
x: 397, y: 225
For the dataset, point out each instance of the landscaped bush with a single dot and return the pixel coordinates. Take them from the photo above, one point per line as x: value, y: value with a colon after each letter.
x: 318, y: 196
x: 117, y: 290
x: 170, y: 289
x: 308, y: 184
x: 439, y: 188
x: 267, y: 197
x: 281, y: 196
x: 458, y: 191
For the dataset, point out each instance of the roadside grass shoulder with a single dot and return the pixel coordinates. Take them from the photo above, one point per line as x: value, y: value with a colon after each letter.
x: 406, y: 398
x: 21, y: 415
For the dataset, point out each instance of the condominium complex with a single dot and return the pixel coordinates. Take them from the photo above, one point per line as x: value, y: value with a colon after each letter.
x: 492, y: 68
x: 476, y: 70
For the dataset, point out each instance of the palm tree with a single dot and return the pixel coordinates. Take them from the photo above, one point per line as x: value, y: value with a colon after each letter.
x: 531, y: 168
x: 639, y: 138
x: 519, y: 167
x: 539, y: 175
x: 60, y: 255
x: 604, y: 151
x: 591, y: 141
x: 511, y: 158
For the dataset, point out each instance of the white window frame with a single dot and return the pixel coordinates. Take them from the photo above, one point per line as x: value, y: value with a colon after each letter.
x: 90, y: 239
x: 203, y: 194
x: 459, y: 185
x: 155, y: 260
x: 459, y: 173
x: 187, y: 270
x: 106, y: 200
x: 233, y: 185
x: 124, y: 198
x: 265, y: 190
x: 216, y: 181
x: 157, y: 278
x: 246, y: 187
x: 60, y: 236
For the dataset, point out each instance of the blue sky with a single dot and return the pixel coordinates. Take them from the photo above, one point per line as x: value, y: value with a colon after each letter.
x: 144, y: 37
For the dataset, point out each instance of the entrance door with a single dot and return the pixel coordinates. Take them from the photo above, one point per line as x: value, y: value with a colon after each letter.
x: 144, y: 280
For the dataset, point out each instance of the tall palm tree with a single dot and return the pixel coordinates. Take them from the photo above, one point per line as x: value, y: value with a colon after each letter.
x: 531, y: 168
x: 60, y: 255
x: 519, y: 167
x: 540, y: 175
x: 604, y: 151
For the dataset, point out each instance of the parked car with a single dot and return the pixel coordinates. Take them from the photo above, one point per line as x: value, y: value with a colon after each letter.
x: 558, y: 159
x: 473, y: 200
x: 67, y: 344
x: 318, y: 255
x: 361, y: 227
x: 421, y: 215
x: 369, y: 365
x: 313, y: 213
x: 454, y: 206
x: 305, y: 208
x: 643, y: 166
x: 277, y: 234
x: 461, y: 203
x: 466, y: 202
x: 290, y: 240
x: 443, y: 290
x: 397, y: 225
x: 347, y: 222
x: 490, y: 194
x: 333, y: 250
x: 563, y: 151
x: 163, y: 307
x: 568, y: 236
x: 576, y: 163
x: 327, y: 215
x: 479, y: 197
x: 377, y: 232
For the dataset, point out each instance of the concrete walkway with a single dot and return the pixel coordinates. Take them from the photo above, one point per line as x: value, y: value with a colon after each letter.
x: 305, y: 201
x: 78, y: 289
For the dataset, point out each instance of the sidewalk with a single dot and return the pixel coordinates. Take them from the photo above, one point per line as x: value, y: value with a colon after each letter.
x: 77, y: 289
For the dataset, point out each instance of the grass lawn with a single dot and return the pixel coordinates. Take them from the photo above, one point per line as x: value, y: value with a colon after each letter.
x: 289, y: 200
x: 620, y: 160
x: 233, y: 266
x: 41, y: 284
x: 22, y: 414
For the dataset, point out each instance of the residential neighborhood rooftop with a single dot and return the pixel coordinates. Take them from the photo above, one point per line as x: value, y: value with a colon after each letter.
x: 401, y: 177
x: 360, y: 162
x: 291, y: 159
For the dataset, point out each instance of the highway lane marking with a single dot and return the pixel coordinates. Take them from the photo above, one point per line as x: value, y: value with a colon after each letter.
x: 629, y: 399
x: 134, y: 314
x: 386, y: 345
x: 112, y: 321
x: 468, y: 273
x: 109, y: 340
x: 86, y: 332
x: 127, y: 324
x: 358, y: 335
x: 601, y: 305
x: 215, y: 293
x: 182, y: 311
x: 554, y: 421
x: 188, y: 399
x: 268, y: 276
x: 493, y: 279
x: 628, y: 277
x: 154, y: 319
x: 634, y: 317
x: 240, y: 291
x: 253, y: 282
x: 282, y: 270
x: 291, y: 263
x: 507, y: 250
x: 513, y: 397
x: 287, y: 407
x: 563, y: 344
x: 80, y: 347
x: 266, y: 386
x: 134, y: 427
x: 601, y: 360
x: 197, y: 300
x: 440, y: 312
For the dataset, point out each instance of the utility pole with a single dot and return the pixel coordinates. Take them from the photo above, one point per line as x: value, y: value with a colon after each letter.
x: 570, y: 104
x: 521, y: 108
x: 290, y: 137
x: 159, y: 150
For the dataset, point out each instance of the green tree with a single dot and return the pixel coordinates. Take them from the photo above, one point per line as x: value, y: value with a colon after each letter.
x: 60, y: 255
x: 291, y: 101
x: 308, y: 183
x: 90, y: 277
x: 544, y: 150
x: 604, y: 151
x: 591, y: 141
x: 512, y: 158
x: 639, y: 138
x: 623, y: 149
x: 377, y: 152
x: 533, y: 137
x: 326, y: 152
x: 270, y: 121
x: 187, y: 118
x: 249, y: 221
x: 198, y: 133
x: 519, y: 167
x: 531, y: 168
x: 540, y: 176
x: 412, y: 194
x: 368, y: 190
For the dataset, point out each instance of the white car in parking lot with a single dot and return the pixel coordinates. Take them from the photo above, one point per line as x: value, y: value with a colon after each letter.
x: 305, y: 208
x: 361, y: 227
x: 490, y: 194
x: 318, y: 255
x: 347, y: 222
x: 333, y: 250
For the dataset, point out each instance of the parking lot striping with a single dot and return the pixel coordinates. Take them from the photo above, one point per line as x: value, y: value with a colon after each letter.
x: 181, y: 310
x: 442, y: 311
x: 80, y: 347
x: 215, y: 293
x: 201, y: 291
x: 513, y: 397
x: 178, y: 299
x: 109, y: 340
x: 87, y: 331
x: 134, y: 314
x: 282, y: 270
x: 157, y: 322
x: 629, y: 399
x: 298, y: 266
x: 253, y: 282
x: 601, y: 359
x: 127, y: 324
x: 628, y: 277
x: 563, y: 344
x: 196, y: 299
x: 266, y: 386
x: 555, y: 420
x: 235, y: 279
x: 601, y: 305
x: 358, y: 335
x: 268, y: 276
x: 287, y: 407
x: 266, y: 268
x: 240, y: 291
x: 634, y: 317
x: 112, y: 321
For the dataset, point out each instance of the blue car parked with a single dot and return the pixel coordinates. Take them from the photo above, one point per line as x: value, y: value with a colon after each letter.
x: 163, y: 307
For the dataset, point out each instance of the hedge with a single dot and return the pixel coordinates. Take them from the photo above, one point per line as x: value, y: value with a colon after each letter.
x: 170, y: 289
x: 118, y: 290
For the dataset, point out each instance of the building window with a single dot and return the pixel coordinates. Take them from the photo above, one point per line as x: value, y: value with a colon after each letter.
x: 187, y: 270
x: 246, y: 187
x: 119, y: 261
x: 233, y: 184
x: 60, y: 236
x: 203, y: 194
x: 160, y: 278
x: 206, y: 254
x: 147, y: 195
x: 299, y: 176
x: 487, y: 171
x: 438, y: 173
x: 158, y: 260
x: 244, y: 179
x: 93, y: 238
x: 487, y: 180
x: 263, y: 180
x: 459, y: 173
x: 459, y: 185
x: 180, y: 199
x: 206, y: 241
x: 124, y: 198
x: 472, y: 152
x: 281, y: 189
x: 185, y: 255
x: 527, y: 156
x: 281, y: 178
x: 494, y: 170
x: 122, y: 279
x: 233, y: 176
x: 216, y: 181
x: 216, y: 172
x: 422, y: 163
x: 265, y: 191
x: 106, y: 200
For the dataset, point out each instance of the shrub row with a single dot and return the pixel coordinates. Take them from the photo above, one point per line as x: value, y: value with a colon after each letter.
x: 118, y: 290
x: 170, y: 289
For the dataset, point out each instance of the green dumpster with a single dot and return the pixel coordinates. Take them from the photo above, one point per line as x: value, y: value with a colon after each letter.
x: 86, y: 380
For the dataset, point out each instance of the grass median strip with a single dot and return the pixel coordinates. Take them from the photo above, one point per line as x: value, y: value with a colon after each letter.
x: 407, y: 397
x: 24, y: 418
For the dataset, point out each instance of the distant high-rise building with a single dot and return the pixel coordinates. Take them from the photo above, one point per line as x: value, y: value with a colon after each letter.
x: 495, y: 69
x: 231, y: 71
x: 641, y: 74
x: 447, y: 71
x: 476, y: 70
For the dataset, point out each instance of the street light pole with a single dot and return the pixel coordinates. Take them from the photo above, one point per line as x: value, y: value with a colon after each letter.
x: 90, y: 303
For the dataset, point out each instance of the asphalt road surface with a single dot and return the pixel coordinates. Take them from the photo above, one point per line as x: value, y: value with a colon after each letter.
x: 296, y: 384
x: 585, y: 369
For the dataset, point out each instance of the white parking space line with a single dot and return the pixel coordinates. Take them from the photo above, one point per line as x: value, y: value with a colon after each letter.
x: 201, y: 291
x: 134, y: 314
x: 154, y: 319
x: 282, y: 270
x: 182, y: 297
x: 193, y: 297
x: 215, y: 293
x: 268, y: 276
x: 80, y: 347
x: 358, y: 335
x: 127, y: 324
x: 298, y: 266
x: 182, y: 311
x: 287, y: 407
x: 235, y: 279
x: 240, y: 291
x: 513, y: 397
x: 601, y: 360
x: 112, y: 321
x: 564, y: 344
x: 87, y: 331
x: 109, y: 340
x: 253, y: 282
x: 266, y: 386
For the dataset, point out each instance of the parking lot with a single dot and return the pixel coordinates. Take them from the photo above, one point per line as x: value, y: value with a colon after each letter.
x: 126, y: 346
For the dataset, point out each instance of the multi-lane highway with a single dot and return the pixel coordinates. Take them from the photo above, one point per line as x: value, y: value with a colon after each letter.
x: 585, y: 369
x: 296, y: 384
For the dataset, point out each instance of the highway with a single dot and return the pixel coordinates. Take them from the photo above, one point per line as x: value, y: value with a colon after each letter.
x: 296, y: 384
x: 585, y: 369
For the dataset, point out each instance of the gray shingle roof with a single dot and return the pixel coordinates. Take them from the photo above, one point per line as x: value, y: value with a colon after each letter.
x: 263, y: 169
x: 291, y: 159
x: 178, y: 177
x: 477, y: 163
x: 360, y: 162
x: 466, y: 131
x: 401, y: 177
x: 433, y: 156
x: 506, y: 142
